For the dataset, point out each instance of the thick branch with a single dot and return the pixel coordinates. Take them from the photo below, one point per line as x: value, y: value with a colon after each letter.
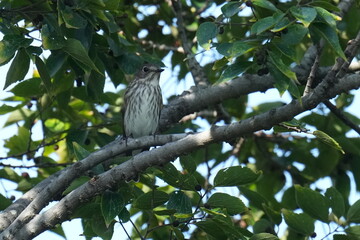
x: 38, y: 197
x: 198, y: 99
x: 169, y: 152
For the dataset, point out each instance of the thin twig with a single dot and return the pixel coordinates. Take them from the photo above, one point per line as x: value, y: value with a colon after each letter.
x: 127, y: 234
x: 340, y: 114
x: 39, y: 165
x: 137, y: 230
x: 197, y: 208
x: 194, y: 67
x: 33, y: 150
x: 162, y: 47
x: 314, y: 69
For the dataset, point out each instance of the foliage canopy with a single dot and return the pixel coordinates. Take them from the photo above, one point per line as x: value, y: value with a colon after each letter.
x: 77, y: 47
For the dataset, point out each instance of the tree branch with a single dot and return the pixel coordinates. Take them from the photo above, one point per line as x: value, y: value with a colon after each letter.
x: 169, y: 152
x: 196, y: 70
x: 197, y: 99
x: 38, y: 197
x: 339, y: 114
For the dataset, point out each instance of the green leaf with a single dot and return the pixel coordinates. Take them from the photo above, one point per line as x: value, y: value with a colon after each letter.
x: 51, y: 39
x: 282, y: 82
x: 304, y: 14
x: 278, y: 63
x: 4, y: 202
x: 328, y: 17
x: 76, y: 183
x: 274, y: 216
x: 239, y: 48
x: 295, y: 34
x: 44, y: 74
x: 232, y: 204
x: 228, y: 227
x: 167, y: 212
x: 353, y: 214
x: 6, y: 108
x: 99, y: 227
x: 179, y: 201
x: 205, y: 33
x: 18, y: 68
x: 10, y: 44
x: 301, y: 223
x: 188, y: 163
x: 313, y: 203
x: 233, y: 71
x: 231, y: 8
x: 265, y: 4
x: 10, y: 174
x: 124, y: 215
x: 294, y: 90
x: 80, y: 152
x: 234, y: 176
x: 286, y: 49
x: 56, y: 125
x: 330, y: 35
x: 151, y: 200
x: 172, y: 176
x: 112, y: 204
x: 77, y: 51
x: 72, y: 19
x: 18, y: 144
x: 353, y: 232
x: 75, y: 135
x: 235, y: 49
x: 264, y: 236
x: 28, y: 88
x: 262, y: 25
x: 255, y: 198
x: 341, y: 237
x: 211, y: 228
x: 336, y: 201
x: 323, y: 137
x: 324, y: 4
x: 281, y: 25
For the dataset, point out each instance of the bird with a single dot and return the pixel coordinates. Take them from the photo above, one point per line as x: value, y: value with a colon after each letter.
x: 143, y: 103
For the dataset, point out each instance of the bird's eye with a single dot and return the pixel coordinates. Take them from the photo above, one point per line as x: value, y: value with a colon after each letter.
x: 146, y: 69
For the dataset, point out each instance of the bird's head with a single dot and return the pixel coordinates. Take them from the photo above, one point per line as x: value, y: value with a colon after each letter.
x: 149, y: 73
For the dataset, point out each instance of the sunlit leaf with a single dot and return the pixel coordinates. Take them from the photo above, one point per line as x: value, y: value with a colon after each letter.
x: 262, y: 25
x: 304, y: 14
x: 233, y: 205
x: 325, y: 138
x: 264, y: 236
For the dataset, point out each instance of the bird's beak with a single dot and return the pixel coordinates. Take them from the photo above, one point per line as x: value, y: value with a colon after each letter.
x: 159, y: 70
